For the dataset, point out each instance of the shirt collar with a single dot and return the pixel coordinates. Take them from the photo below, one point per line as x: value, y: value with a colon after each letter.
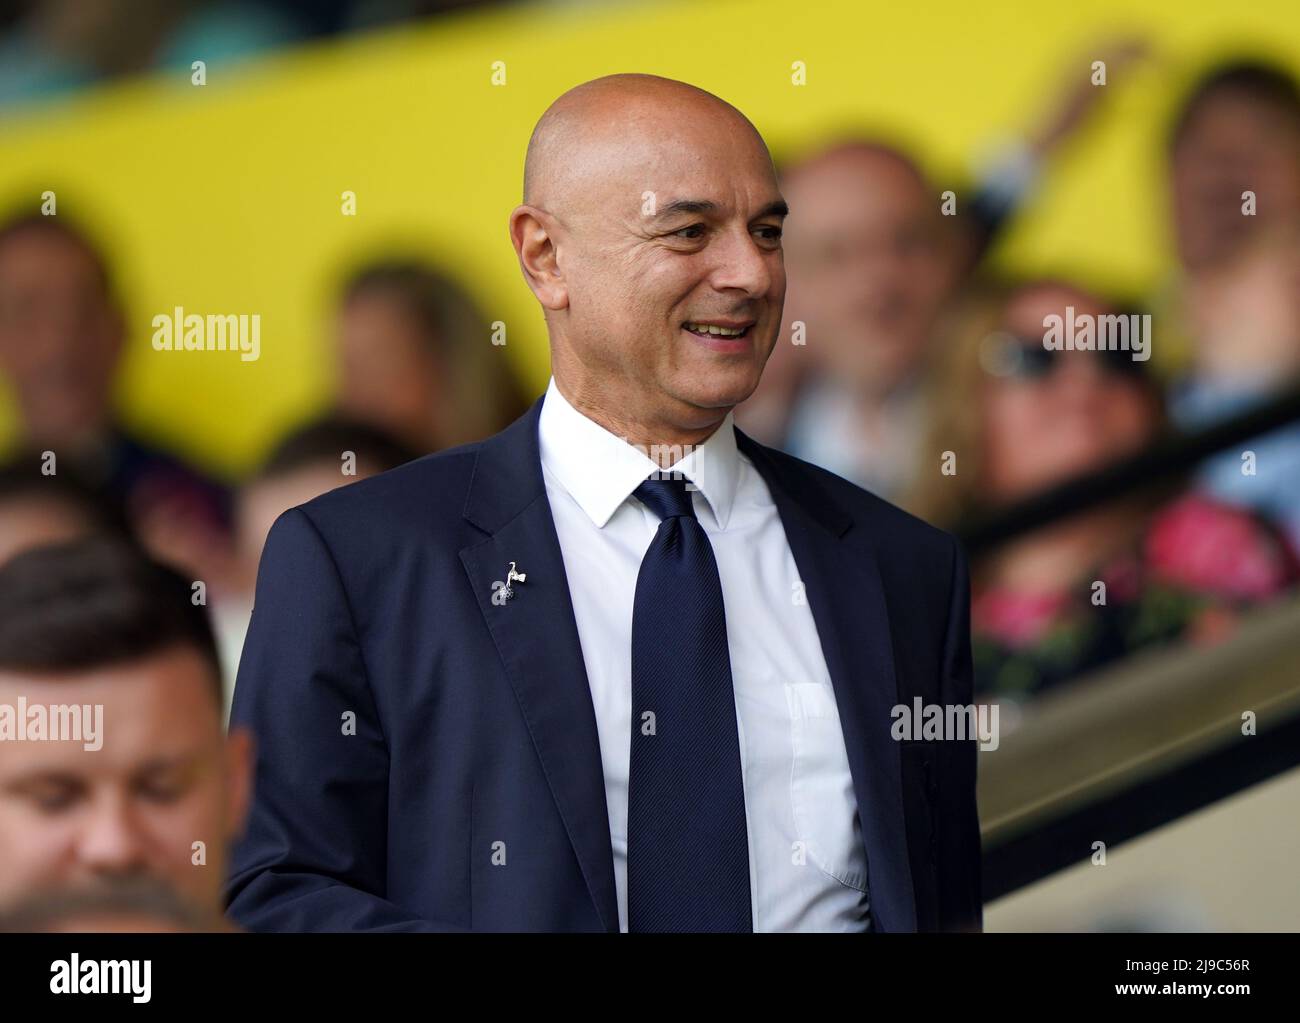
x: 600, y: 470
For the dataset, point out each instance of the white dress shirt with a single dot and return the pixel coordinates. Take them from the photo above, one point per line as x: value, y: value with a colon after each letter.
x: 807, y: 864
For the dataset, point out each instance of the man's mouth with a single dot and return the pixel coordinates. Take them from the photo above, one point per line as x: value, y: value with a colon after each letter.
x: 721, y: 336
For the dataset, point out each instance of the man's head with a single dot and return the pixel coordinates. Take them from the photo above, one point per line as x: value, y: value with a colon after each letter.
x: 1238, y: 130
x: 401, y: 330
x: 36, y: 510
x: 60, y: 330
x: 869, y: 270
x: 161, y: 791
x: 651, y: 212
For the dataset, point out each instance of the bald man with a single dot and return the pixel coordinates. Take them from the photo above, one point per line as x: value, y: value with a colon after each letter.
x: 618, y: 667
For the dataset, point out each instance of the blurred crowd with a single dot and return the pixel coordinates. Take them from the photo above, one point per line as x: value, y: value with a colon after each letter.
x: 905, y: 364
x: 924, y: 375
x: 53, y: 47
x: 127, y: 575
x: 413, y: 379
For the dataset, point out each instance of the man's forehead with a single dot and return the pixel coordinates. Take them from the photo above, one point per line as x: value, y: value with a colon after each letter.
x: 761, y: 203
x: 133, y: 726
x: 706, y: 183
x: 165, y: 695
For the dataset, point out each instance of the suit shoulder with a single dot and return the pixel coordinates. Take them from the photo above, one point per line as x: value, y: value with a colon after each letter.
x: 429, y: 486
x: 895, y: 530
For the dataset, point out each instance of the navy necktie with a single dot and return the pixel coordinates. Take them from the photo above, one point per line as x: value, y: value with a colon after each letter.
x: 687, y: 848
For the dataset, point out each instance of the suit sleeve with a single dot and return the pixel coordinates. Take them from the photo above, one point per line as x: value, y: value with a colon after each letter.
x: 314, y: 853
x: 959, y: 856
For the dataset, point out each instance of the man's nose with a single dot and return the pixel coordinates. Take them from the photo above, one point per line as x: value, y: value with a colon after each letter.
x: 742, y: 264
x: 111, y: 841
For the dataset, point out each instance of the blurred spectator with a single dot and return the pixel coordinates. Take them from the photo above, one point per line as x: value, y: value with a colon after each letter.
x: 61, y: 338
x: 308, y: 462
x: 136, y: 905
x: 161, y: 791
x: 56, y: 46
x: 872, y: 263
x: 1238, y: 130
x: 1237, y: 303
x: 1020, y: 418
x: 416, y: 359
x: 36, y: 510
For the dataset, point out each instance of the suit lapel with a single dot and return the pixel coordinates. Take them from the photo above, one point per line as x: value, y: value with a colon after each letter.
x: 847, y: 600
x: 536, y: 637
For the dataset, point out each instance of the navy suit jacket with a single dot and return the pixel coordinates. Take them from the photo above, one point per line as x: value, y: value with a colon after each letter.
x: 411, y: 732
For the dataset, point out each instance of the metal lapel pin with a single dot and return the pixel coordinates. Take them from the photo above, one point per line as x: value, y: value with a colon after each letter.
x: 513, y: 577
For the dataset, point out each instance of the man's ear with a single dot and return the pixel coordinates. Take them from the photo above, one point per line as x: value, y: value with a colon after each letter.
x: 532, y: 232
x: 240, y: 755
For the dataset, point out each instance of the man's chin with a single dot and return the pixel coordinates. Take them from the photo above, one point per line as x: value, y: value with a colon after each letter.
x: 721, y: 390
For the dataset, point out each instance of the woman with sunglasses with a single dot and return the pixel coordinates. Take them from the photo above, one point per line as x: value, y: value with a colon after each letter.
x: 1014, y: 417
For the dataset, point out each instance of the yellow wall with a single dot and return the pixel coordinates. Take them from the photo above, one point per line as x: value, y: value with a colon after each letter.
x: 226, y: 198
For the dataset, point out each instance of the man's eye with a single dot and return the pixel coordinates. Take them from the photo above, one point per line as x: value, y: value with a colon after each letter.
x: 54, y: 800
x: 162, y: 791
x: 691, y: 237
x: 770, y: 232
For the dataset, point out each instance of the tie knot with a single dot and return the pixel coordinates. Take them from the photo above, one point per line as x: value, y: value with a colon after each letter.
x: 666, y: 496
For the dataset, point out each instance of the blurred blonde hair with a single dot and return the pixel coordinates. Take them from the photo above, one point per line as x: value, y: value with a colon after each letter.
x: 954, y: 408
x: 955, y: 401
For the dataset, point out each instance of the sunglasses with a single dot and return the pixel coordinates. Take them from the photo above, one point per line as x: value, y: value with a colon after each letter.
x: 1014, y: 357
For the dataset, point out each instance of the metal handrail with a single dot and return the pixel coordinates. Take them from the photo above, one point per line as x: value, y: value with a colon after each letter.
x: 1172, y: 455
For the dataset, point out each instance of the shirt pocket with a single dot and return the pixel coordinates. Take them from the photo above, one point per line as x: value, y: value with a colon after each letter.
x: 821, y: 786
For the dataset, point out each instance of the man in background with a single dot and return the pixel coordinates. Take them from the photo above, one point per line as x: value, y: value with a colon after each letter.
x: 160, y: 791
x: 312, y: 459
x: 1234, y: 185
x: 416, y: 359
x: 36, y: 510
x: 62, y: 333
x: 875, y: 259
